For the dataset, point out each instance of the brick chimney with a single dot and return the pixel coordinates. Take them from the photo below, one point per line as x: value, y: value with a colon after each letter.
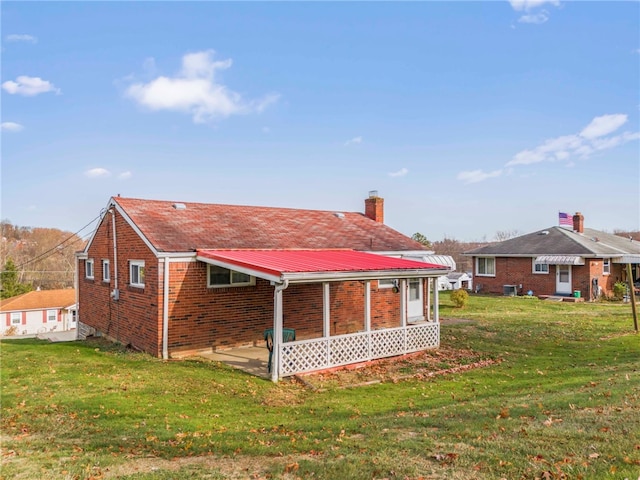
x: 578, y: 222
x: 374, y: 207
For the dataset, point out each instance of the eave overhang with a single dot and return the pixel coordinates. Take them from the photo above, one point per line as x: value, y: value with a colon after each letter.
x: 312, y: 266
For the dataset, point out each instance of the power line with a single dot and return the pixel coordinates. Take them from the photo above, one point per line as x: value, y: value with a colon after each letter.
x: 55, y: 248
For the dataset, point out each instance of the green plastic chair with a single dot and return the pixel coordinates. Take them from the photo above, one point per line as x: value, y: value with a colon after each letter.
x: 288, y: 335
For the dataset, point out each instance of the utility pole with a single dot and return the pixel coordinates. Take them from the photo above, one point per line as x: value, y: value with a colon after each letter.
x: 632, y: 296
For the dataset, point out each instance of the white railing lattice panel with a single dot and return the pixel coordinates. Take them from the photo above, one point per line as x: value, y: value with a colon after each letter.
x: 321, y: 353
x: 306, y: 356
x: 386, y: 343
x: 421, y: 337
x: 346, y: 349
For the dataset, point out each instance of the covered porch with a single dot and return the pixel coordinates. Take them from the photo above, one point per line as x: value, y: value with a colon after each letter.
x: 370, y: 340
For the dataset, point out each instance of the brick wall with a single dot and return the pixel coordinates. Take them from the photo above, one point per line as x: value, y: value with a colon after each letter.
x: 133, y: 319
x: 202, y: 318
x: 518, y: 271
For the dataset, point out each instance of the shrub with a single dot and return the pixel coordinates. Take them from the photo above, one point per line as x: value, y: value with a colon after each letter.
x: 459, y: 297
x: 619, y: 290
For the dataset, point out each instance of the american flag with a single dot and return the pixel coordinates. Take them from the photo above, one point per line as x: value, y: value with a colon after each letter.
x: 565, y: 219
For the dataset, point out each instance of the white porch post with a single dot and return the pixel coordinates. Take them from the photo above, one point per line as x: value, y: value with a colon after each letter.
x: 403, y: 302
x: 429, y: 282
x: 277, y: 330
x: 326, y: 311
x: 436, y: 303
x: 367, y: 315
x: 326, y: 318
x: 367, y: 305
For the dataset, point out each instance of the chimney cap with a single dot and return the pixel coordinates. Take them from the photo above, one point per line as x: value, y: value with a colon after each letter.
x: 373, y: 193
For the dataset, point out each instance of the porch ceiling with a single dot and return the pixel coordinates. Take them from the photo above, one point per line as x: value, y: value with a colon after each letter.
x: 305, y: 266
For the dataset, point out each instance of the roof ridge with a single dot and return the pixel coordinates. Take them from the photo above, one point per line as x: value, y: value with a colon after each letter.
x: 235, y: 205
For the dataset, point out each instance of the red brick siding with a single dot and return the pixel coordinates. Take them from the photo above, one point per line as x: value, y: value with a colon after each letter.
x: 202, y: 318
x: 134, y: 319
x: 518, y: 271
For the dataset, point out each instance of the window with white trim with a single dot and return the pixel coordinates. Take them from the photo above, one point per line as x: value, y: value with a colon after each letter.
x: 540, y: 267
x: 136, y: 273
x: 486, y: 266
x: 88, y: 268
x: 52, y: 315
x: 223, y: 277
x: 606, y: 266
x: 16, y: 318
x: 106, y: 274
x: 387, y: 283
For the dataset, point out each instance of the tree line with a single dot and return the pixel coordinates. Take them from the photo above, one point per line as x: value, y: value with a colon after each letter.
x: 34, y: 257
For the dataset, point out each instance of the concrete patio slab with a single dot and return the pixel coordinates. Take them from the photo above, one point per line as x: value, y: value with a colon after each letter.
x: 252, y: 360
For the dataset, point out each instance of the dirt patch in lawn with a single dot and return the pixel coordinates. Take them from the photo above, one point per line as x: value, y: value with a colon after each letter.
x: 420, y: 365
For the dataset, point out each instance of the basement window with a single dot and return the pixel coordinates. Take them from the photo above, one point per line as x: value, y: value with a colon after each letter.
x: 136, y: 273
x: 486, y: 266
x: 223, y: 277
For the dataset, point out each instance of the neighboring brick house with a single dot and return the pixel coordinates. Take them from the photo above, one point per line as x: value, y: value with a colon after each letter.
x: 173, y: 278
x: 558, y: 260
x: 39, y: 311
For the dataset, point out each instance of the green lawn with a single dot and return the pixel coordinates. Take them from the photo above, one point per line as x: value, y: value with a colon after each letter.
x: 564, y: 402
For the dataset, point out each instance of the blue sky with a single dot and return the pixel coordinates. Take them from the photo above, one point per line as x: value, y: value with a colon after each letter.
x: 469, y: 118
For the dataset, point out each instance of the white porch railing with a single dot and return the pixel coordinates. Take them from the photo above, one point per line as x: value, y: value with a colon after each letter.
x: 320, y: 353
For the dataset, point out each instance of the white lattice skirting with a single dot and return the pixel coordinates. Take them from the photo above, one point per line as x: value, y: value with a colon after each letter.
x: 320, y: 353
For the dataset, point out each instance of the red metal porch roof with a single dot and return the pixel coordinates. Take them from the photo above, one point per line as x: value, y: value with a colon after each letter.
x: 283, y: 262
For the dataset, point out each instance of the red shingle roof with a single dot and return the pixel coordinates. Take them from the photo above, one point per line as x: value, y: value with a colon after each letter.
x: 39, y: 299
x: 215, y: 226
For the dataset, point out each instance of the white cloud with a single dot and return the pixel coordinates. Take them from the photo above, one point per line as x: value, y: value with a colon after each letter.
x: 195, y: 90
x: 29, y: 86
x: 11, y: 127
x: 527, y: 5
x: 475, y: 176
x: 353, y: 141
x: 97, y: 172
x: 400, y: 173
x: 603, y: 125
x: 125, y: 175
x: 535, y: 18
x: 21, y: 38
x: 594, y: 137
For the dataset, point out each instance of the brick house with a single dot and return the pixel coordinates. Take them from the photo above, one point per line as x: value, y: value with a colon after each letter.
x: 39, y: 311
x: 556, y: 261
x: 173, y: 278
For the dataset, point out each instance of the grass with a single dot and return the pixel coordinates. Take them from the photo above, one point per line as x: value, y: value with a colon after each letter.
x: 564, y: 402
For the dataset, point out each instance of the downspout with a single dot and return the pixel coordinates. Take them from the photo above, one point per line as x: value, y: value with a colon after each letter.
x: 277, y: 329
x: 116, y: 293
x: 165, y: 311
x: 76, y: 285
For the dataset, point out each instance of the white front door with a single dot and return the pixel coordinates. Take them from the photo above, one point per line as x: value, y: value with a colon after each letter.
x: 563, y: 279
x: 415, y: 301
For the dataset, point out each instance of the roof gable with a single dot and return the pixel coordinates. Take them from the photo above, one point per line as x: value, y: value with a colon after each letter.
x: 217, y: 226
x: 561, y: 241
x: 39, y: 299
